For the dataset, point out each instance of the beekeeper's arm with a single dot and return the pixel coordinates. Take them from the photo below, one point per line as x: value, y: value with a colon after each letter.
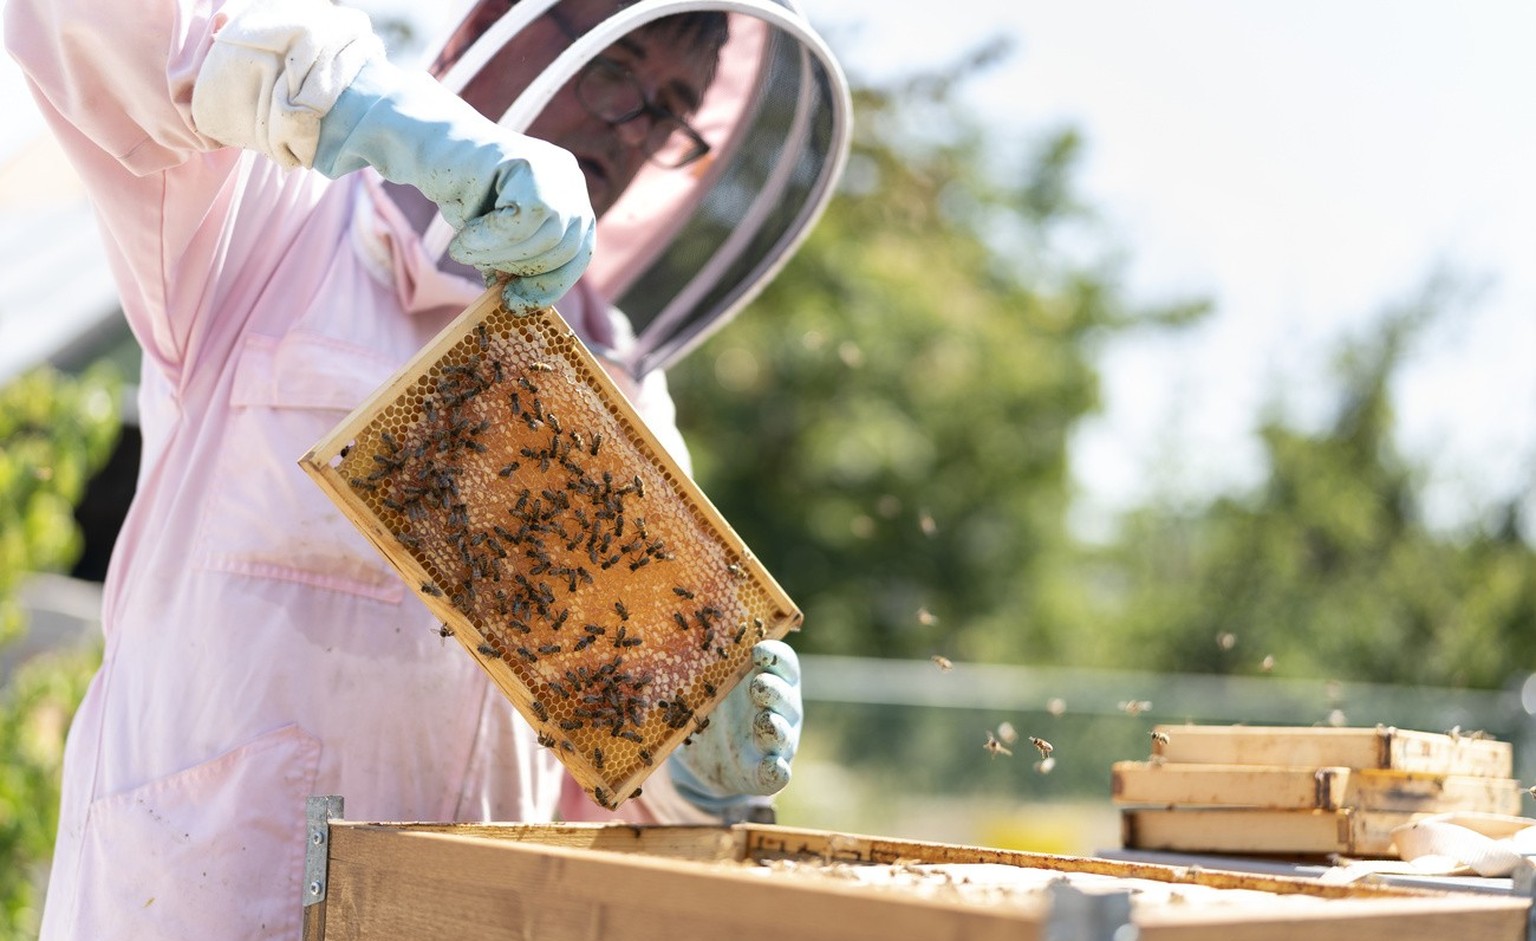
x: 307, y: 83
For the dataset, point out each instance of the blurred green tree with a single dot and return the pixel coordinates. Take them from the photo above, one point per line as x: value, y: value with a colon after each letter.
x: 887, y: 424
x: 1329, y: 567
x: 55, y: 433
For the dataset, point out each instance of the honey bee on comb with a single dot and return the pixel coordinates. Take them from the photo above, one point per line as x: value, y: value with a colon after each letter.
x: 516, y: 527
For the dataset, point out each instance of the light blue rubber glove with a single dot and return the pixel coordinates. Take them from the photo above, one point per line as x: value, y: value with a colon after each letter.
x: 745, y: 751
x: 519, y: 205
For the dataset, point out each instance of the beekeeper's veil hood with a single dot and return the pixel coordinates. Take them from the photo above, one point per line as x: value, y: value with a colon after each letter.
x: 681, y: 250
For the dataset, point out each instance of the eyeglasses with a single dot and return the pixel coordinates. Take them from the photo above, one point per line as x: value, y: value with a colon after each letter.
x: 611, y: 93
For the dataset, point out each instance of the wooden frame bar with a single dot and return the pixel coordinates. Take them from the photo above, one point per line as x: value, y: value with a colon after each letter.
x: 1379, y: 748
x: 1191, y: 785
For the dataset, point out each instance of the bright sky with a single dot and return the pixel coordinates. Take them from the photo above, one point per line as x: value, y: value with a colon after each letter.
x: 1303, y: 163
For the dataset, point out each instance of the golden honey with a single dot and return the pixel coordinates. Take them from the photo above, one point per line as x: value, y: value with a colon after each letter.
x: 528, y: 506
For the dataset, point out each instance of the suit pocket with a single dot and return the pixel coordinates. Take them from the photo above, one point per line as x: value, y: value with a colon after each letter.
x: 265, y: 518
x: 215, y: 851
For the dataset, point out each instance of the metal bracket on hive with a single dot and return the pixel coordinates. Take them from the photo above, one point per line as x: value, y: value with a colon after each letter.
x: 1076, y: 915
x: 319, y: 811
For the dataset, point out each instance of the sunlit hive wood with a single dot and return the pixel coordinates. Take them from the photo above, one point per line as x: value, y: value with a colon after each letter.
x: 1302, y: 790
x: 523, y: 499
x: 479, y: 882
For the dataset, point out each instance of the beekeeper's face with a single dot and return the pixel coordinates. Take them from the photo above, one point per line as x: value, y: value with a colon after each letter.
x: 627, y: 106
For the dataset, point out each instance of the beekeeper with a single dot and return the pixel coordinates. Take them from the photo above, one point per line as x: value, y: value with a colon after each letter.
x: 290, y: 217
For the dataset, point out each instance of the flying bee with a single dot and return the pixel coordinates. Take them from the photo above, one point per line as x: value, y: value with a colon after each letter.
x: 995, y: 747
x: 942, y: 662
x: 1041, y: 745
x: 1159, y: 737
x: 444, y: 631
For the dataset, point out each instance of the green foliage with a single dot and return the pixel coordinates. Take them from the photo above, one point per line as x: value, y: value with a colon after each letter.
x: 887, y: 425
x: 35, y: 710
x: 1330, y: 567
x: 55, y: 433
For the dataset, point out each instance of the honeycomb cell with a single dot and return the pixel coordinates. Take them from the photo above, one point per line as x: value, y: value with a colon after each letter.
x: 534, y: 513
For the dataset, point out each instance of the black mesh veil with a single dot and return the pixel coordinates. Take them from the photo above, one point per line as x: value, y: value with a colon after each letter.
x: 683, y: 250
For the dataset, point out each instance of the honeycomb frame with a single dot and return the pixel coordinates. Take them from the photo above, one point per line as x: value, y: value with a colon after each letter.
x: 522, y: 498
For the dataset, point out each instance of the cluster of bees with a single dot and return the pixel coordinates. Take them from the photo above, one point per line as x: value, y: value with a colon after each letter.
x: 524, y: 527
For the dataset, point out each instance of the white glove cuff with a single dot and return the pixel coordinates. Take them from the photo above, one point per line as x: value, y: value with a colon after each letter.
x: 275, y: 69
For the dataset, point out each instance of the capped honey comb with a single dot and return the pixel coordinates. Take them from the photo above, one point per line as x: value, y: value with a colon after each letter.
x: 526, y: 503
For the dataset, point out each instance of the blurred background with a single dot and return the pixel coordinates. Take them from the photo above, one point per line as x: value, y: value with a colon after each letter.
x: 1154, y: 363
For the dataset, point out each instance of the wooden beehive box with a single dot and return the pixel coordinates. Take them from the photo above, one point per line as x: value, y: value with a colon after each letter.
x: 524, y: 500
x: 563, y: 882
x: 1303, y: 791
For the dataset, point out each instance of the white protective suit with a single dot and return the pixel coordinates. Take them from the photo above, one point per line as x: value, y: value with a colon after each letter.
x: 257, y: 649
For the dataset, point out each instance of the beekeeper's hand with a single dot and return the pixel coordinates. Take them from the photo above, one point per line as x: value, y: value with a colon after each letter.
x: 519, y: 205
x: 746, y: 749
x: 308, y: 84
